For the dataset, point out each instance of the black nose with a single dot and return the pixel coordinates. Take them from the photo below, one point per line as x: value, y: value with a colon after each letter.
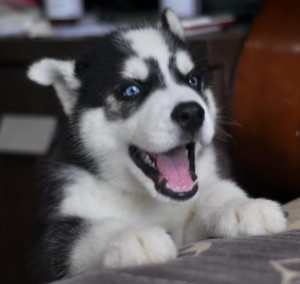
x: 189, y: 116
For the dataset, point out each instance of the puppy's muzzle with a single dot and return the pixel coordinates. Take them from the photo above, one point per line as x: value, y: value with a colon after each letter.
x: 189, y: 116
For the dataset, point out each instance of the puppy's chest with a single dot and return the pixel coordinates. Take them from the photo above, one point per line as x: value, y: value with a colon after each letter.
x: 98, y: 202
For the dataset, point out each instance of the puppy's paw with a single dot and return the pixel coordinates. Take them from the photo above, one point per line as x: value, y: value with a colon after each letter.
x: 249, y: 217
x: 138, y: 247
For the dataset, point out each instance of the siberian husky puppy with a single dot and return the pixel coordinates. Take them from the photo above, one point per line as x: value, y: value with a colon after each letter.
x: 135, y: 175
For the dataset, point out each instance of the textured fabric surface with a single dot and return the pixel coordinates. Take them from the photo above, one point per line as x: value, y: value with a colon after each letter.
x: 292, y: 210
x: 265, y: 259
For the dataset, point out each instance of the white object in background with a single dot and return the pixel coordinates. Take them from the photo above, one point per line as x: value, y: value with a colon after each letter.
x: 206, y: 24
x: 16, y: 22
x: 26, y: 134
x: 182, y: 8
x: 204, y: 21
x: 83, y: 30
x: 39, y: 28
x: 63, y: 9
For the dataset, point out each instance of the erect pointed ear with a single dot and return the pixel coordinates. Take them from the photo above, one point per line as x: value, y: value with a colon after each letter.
x: 60, y: 74
x: 171, y: 22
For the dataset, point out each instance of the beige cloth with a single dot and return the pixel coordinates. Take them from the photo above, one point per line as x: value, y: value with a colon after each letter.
x: 293, y: 214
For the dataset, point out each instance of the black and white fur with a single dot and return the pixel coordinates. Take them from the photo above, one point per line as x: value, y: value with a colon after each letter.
x: 99, y: 209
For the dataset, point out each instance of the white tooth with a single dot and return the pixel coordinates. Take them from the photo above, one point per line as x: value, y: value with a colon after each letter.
x: 143, y: 155
x: 147, y: 159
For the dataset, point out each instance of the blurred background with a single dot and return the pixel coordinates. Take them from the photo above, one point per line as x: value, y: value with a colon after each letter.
x: 252, y: 49
x: 42, y: 18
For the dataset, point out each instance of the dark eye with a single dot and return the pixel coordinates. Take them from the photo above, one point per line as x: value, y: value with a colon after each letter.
x: 194, y: 81
x: 132, y: 91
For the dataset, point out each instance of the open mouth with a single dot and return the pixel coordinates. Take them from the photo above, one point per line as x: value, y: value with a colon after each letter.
x: 173, y: 172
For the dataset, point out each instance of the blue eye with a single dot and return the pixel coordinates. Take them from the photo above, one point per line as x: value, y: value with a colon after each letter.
x: 194, y: 81
x: 132, y: 90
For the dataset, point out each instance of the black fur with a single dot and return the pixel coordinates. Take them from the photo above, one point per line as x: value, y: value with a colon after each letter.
x: 99, y: 70
x: 51, y: 261
x: 55, y: 244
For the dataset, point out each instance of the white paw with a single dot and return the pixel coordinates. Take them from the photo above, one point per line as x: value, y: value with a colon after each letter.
x: 138, y: 247
x: 249, y: 217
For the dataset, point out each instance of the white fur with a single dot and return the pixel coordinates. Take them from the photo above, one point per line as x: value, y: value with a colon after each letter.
x: 174, y: 24
x: 60, y: 74
x: 149, y: 43
x: 135, y: 68
x: 113, y: 103
x: 121, y: 245
x: 99, y: 201
x: 213, y: 111
x: 184, y: 62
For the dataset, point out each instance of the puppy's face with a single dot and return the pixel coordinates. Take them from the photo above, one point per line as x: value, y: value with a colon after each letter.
x: 142, y: 104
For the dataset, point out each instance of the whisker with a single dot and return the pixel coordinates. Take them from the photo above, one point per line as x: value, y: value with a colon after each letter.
x: 228, y: 121
x: 225, y: 119
x: 224, y: 136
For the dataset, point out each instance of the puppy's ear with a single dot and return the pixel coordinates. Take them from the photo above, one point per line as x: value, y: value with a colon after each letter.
x: 171, y: 22
x: 60, y: 74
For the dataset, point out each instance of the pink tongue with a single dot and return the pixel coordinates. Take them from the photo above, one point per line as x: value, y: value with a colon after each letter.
x: 174, y: 167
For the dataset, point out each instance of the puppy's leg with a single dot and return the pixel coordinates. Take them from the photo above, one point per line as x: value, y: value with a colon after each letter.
x: 226, y: 211
x: 113, y: 243
x: 52, y: 255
